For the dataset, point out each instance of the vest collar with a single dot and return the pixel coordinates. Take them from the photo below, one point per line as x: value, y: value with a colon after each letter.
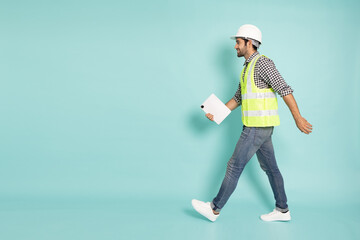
x: 251, y: 57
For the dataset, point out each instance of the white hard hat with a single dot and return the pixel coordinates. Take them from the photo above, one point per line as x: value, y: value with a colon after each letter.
x: 248, y: 31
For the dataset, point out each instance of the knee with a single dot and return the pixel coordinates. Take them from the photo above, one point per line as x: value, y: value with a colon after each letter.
x: 263, y: 167
x: 232, y: 170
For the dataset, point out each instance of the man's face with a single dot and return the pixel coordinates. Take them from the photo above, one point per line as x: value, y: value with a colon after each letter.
x: 240, y: 47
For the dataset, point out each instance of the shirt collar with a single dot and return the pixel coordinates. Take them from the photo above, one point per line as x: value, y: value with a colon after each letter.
x: 251, y: 57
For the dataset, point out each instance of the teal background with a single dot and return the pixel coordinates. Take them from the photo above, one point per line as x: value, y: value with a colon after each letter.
x: 102, y: 136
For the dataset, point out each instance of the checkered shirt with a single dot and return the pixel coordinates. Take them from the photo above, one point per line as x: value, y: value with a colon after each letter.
x: 265, y: 76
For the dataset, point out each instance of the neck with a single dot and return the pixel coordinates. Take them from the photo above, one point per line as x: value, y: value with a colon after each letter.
x: 249, y: 53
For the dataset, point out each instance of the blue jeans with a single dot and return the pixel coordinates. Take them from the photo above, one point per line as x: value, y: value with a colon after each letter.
x: 252, y: 140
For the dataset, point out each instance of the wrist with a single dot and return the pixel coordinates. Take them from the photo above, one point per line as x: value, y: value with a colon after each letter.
x: 297, y: 116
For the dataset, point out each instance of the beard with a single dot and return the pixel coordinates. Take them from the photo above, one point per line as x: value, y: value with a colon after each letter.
x: 239, y: 54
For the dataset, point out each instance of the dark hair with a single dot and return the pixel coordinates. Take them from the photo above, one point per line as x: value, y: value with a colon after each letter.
x: 254, y: 47
x: 246, y: 40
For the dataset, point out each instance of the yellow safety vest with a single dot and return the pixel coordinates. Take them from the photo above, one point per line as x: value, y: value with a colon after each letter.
x: 259, y: 106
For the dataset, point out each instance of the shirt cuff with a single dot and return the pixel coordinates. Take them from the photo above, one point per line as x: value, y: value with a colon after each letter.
x: 237, y: 100
x: 285, y: 92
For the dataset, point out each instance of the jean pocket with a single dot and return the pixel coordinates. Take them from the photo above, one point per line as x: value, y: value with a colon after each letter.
x: 245, y: 132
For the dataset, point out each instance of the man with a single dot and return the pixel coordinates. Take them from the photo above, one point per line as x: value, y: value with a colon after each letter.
x: 259, y: 81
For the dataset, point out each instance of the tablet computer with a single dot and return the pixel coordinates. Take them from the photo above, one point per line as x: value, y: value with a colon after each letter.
x: 216, y: 107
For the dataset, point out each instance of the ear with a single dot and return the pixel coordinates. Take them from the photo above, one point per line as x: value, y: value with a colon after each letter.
x: 249, y: 42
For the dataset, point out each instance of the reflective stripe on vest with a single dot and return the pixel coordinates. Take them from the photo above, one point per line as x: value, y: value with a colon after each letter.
x: 259, y: 113
x: 248, y: 80
x: 252, y: 95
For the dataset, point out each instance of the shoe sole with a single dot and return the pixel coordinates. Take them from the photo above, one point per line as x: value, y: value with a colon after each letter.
x: 201, y: 213
x: 278, y: 220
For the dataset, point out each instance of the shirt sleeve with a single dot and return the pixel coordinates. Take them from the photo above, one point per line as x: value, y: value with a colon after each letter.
x: 272, y: 77
x: 237, y: 96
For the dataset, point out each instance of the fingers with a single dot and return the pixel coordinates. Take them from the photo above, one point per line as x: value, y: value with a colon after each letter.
x: 210, y: 116
x: 306, y: 130
x: 306, y: 127
x: 303, y: 125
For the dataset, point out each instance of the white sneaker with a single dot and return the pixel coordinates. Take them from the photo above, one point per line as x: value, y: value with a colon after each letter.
x: 276, y: 216
x: 204, y: 208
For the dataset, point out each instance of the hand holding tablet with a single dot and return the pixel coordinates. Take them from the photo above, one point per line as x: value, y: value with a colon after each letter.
x: 215, y: 107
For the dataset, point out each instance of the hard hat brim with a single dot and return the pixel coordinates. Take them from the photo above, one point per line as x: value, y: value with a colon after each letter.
x: 234, y: 38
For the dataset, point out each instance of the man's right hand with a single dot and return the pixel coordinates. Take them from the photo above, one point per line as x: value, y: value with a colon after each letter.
x: 210, y: 116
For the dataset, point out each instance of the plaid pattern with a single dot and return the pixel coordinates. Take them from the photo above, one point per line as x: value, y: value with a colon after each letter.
x: 266, y: 76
